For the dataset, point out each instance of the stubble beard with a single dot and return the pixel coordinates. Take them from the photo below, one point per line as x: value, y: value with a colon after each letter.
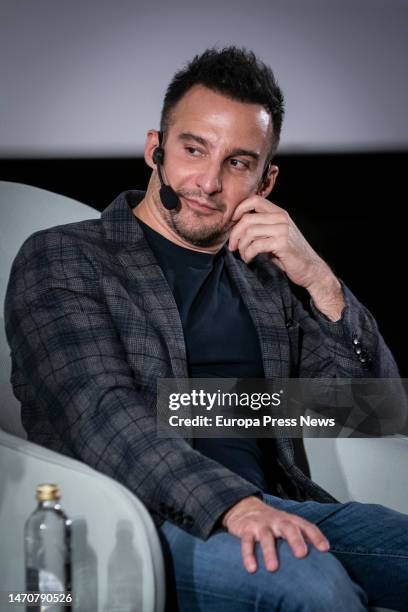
x: 203, y: 236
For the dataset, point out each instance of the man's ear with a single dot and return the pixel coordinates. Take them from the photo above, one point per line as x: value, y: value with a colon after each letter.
x: 152, y: 141
x: 268, y: 183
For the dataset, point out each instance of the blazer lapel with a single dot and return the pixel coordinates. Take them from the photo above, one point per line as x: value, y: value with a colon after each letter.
x: 141, y: 266
x: 267, y: 314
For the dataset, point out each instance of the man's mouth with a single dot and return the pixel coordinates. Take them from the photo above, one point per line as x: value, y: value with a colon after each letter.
x: 200, y: 206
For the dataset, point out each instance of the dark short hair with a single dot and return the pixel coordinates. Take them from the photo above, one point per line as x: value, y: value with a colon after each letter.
x: 234, y: 72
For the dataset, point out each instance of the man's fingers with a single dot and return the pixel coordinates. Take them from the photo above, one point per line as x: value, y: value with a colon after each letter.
x: 265, y: 525
x: 268, y: 546
x: 315, y: 536
x: 252, y: 232
x: 293, y: 535
x: 247, y: 551
x: 260, y: 245
x: 272, y: 220
x: 254, y: 203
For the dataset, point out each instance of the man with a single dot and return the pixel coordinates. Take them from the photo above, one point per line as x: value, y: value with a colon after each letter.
x: 187, y: 281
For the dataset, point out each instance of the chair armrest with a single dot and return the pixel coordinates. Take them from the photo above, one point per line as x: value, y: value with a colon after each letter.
x: 117, y: 557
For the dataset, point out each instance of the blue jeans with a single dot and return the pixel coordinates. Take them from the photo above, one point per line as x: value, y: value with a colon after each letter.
x: 367, y: 565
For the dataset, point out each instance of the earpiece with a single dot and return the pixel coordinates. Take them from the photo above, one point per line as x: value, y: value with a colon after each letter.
x: 168, y: 196
x: 158, y: 155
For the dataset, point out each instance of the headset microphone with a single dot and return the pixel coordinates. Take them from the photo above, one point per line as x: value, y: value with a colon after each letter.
x: 168, y: 196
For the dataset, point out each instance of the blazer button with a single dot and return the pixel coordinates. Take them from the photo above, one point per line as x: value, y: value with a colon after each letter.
x: 289, y: 323
x: 188, y: 521
x: 358, y: 350
x: 365, y: 358
x: 356, y: 341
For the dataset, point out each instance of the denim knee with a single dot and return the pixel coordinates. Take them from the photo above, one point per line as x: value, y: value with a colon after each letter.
x: 210, y: 576
x: 315, y: 583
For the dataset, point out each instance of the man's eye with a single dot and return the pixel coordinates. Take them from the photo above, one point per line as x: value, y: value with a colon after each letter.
x: 193, y: 151
x: 238, y: 163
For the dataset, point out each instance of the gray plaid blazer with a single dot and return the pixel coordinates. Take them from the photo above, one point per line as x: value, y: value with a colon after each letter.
x: 92, y: 325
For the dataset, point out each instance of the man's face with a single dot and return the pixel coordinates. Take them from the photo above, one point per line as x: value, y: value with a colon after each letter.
x: 215, y: 153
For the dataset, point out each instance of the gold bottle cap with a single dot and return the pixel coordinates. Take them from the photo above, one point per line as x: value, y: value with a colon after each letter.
x: 48, y: 492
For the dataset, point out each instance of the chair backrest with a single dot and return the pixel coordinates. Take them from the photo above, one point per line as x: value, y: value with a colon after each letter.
x: 24, y: 210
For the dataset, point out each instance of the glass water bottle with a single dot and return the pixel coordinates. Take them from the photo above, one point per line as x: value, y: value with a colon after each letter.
x: 47, y: 540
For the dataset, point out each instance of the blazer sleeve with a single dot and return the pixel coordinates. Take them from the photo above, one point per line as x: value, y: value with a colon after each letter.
x: 354, y: 343
x: 353, y: 348
x: 64, y: 343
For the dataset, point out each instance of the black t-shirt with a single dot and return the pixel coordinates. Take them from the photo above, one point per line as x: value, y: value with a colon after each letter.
x: 221, y: 340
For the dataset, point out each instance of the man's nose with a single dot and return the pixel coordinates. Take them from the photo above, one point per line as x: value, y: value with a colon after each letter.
x: 210, y: 179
